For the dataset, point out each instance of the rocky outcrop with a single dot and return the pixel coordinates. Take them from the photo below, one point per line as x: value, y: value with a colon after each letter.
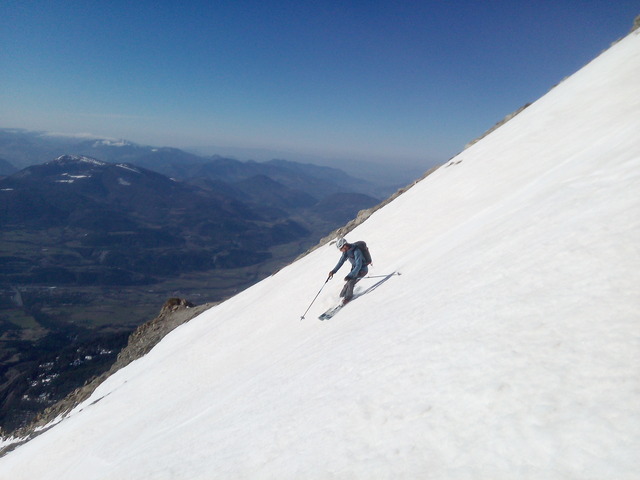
x: 174, y: 313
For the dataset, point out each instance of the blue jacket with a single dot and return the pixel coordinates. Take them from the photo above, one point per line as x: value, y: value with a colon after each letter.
x: 354, y: 255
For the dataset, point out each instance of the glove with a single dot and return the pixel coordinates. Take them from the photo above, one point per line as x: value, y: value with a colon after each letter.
x: 347, y: 278
x: 330, y: 275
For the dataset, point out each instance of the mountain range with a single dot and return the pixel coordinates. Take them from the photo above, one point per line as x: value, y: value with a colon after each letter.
x: 22, y: 148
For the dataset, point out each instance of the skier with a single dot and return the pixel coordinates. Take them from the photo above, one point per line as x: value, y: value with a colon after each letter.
x: 359, y: 267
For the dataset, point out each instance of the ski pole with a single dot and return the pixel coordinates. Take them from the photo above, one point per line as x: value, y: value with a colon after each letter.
x: 314, y: 298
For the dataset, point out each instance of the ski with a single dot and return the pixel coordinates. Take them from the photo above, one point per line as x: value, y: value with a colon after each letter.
x: 331, y: 312
x: 334, y: 310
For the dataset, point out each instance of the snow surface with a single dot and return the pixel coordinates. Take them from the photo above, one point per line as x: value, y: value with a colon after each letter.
x: 509, y: 348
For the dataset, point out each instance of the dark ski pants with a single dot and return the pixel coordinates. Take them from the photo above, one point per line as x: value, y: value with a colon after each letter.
x: 347, y: 290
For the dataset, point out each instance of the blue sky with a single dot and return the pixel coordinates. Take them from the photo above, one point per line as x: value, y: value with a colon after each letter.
x: 403, y: 81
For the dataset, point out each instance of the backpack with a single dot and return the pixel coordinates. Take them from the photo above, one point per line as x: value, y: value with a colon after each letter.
x: 362, y: 246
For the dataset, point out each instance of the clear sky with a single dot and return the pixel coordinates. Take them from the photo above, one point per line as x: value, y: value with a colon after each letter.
x: 398, y: 80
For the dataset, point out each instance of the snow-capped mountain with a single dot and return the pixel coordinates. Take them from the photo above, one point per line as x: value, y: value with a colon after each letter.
x: 58, y: 189
x: 508, y: 348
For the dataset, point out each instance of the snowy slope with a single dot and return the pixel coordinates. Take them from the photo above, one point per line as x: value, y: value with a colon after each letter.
x: 508, y: 348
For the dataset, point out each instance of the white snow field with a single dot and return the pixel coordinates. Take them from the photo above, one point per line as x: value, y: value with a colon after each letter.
x: 509, y: 348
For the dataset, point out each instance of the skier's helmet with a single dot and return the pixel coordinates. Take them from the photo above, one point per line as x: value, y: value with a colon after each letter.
x: 340, y: 242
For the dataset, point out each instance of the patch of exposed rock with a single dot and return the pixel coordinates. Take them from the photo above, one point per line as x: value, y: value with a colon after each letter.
x: 174, y: 313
